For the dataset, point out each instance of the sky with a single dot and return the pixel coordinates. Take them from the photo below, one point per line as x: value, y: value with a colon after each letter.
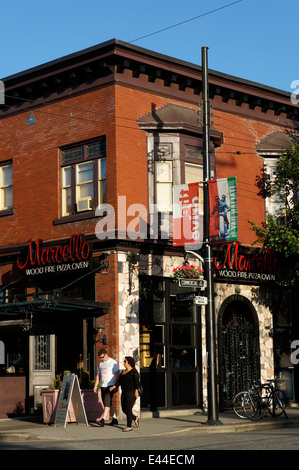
x: 255, y: 40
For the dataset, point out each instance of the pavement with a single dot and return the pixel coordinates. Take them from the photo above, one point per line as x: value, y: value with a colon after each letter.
x: 185, y: 421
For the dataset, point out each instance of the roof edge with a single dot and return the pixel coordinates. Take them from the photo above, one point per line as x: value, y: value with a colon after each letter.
x: 117, y: 42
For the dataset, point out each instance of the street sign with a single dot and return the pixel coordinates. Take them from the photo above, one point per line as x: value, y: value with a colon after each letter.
x: 200, y: 300
x: 202, y: 283
x: 185, y: 296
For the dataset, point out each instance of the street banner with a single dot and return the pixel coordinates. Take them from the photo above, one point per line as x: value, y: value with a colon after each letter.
x: 223, y: 210
x: 187, y: 215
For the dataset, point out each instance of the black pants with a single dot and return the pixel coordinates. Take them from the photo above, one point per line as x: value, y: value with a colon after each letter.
x: 127, y: 403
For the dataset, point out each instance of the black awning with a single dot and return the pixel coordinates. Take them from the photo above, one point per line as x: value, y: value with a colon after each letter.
x: 55, y: 300
x: 60, y: 305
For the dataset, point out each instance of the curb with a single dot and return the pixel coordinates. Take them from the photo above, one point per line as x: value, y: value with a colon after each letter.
x: 232, y: 428
x: 197, y: 429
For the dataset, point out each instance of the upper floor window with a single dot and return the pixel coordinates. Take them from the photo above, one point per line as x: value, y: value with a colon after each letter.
x: 174, y: 152
x: 275, y: 200
x: 163, y: 186
x: 83, y: 178
x: 6, y: 186
x: 175, y: 163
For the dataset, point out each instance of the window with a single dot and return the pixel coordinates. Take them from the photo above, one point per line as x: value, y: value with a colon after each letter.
x: 193, y: 173
x: 6, y: 187
x: 42, y: 352
x: 163, y: 186
x: 275, y: 200
x: 83, y: 178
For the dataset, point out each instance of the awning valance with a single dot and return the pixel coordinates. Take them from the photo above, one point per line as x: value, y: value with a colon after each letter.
x: 62, y: 305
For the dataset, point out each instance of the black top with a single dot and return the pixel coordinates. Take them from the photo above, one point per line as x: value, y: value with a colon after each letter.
x: 129, y: 381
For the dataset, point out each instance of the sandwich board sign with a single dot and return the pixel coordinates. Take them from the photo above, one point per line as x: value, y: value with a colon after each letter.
x: 70, y: 393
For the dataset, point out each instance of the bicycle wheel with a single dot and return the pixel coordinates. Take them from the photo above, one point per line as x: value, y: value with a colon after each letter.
x: 252, y: 406
x: 238, y: 405
x: 279, y: 403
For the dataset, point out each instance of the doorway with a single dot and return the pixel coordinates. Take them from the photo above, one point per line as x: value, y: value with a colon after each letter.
x: 239, y: 352
x: 170, y: 346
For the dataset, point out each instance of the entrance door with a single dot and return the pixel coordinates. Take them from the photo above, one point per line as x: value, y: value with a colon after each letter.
x: 240, y: 350
x: 41, y: 365
x: 169, y: 346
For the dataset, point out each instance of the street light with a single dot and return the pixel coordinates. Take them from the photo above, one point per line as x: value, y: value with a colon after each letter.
x: 208, y: 258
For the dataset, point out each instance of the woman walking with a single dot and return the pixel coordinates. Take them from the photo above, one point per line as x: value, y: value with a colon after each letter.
x: 129, y: 382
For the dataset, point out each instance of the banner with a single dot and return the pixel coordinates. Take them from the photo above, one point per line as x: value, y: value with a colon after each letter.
x: 187, y: 215
x: 223, y: 210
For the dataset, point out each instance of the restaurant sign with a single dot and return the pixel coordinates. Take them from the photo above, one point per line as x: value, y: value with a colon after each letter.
x: 237, y: 262
x: 71, y: 256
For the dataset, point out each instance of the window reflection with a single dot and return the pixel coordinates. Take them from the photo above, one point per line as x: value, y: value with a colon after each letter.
x: 152, y: 300
x: 181, y: 311
x: 152, y: 345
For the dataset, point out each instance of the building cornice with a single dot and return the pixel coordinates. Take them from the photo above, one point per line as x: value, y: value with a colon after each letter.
x: 117, y: 62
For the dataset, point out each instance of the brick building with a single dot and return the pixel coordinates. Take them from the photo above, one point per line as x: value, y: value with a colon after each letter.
x: 119, y: 125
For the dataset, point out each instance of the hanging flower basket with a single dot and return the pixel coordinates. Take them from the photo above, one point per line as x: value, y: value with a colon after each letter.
x: 188, y: 271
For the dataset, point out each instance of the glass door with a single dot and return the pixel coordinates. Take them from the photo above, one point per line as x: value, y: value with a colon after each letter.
x: 170, y: 346
x: 183, y: 371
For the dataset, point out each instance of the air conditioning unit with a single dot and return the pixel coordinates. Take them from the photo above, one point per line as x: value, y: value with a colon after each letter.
x: 85, y: 204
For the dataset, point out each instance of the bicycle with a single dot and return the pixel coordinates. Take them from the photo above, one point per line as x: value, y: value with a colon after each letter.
x: 258, y: 400
x: 242, y: 402
x: 239, y: 402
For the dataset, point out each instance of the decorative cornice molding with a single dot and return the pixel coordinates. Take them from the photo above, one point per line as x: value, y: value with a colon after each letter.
x: 121, y: 63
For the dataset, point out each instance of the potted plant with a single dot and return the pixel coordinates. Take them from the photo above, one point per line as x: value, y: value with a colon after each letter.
x: 188, y: 271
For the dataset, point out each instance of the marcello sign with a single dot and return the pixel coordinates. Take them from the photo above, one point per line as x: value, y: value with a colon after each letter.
x: 71, y: 256
x: 242, y: 263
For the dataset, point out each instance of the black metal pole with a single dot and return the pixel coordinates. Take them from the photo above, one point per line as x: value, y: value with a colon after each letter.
x: 213, y: 412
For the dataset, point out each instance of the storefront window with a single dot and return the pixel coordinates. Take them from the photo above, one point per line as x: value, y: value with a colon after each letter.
x: 152, y: 300
x: 13, y: 352
x: 183, y: 388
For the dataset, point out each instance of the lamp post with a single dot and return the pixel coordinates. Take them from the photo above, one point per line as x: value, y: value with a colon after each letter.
x: 213, y: 411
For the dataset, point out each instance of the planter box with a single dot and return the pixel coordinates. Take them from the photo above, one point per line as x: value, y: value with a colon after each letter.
x: 93, y: 408
x: 50, y: 402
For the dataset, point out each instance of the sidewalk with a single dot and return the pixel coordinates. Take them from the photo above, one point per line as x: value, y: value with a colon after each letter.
x: 33, y: 428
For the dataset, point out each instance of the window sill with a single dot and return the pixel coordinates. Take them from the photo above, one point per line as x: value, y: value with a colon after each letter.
x: 5, y: 212
x: 74, y: 218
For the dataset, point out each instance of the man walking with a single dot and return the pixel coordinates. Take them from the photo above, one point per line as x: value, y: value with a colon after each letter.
x: 107, y: 375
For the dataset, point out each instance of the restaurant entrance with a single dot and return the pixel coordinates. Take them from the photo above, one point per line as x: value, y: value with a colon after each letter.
x: 239, y: 352
x: 170, y: 346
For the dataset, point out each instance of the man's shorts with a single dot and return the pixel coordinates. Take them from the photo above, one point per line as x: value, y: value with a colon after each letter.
x: 107, y: 396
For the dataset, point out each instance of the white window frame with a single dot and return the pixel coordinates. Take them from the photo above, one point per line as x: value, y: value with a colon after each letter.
x: 5, y: 187
x: 74, y: 158
x: 273, y: 205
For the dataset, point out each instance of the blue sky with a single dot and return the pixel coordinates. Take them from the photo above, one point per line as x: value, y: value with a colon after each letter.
x: 252, y: 39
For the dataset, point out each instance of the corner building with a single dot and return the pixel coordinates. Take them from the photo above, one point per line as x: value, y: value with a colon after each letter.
x: 120, y: 125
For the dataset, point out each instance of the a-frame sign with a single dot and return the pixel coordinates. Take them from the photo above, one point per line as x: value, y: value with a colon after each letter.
x: 70, y: 393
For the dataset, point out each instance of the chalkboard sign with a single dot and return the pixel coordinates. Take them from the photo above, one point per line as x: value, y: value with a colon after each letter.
x: 70, y: 394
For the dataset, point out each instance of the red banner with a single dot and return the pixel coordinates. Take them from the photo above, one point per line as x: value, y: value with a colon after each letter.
x: 187, y: 218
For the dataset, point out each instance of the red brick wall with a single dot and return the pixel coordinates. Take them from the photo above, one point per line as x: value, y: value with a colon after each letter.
x: 36, y: 172
x: 34, y: 151
x: 240, y: 135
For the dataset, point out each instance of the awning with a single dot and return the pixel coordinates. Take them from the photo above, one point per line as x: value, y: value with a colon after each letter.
x: 62, y: 305
x: 55, y: 301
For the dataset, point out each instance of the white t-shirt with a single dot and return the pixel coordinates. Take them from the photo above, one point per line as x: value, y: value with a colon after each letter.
x: 107, y: 371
